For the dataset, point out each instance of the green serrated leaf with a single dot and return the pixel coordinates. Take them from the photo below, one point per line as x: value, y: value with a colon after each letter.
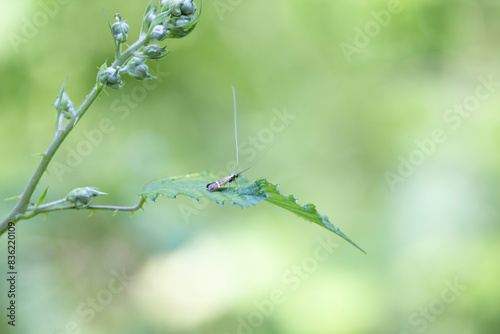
x: 195, y: 186
x: 307, y: 211
x: 243, y: 195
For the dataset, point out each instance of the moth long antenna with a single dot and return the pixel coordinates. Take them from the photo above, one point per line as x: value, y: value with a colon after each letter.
x: 243, y: 171
x: 235, y: 129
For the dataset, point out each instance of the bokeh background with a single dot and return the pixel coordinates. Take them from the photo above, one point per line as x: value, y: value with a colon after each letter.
x: 394, y: 134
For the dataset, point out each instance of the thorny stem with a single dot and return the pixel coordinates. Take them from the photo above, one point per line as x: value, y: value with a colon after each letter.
x: 20, y: 209
x: 63, y: 204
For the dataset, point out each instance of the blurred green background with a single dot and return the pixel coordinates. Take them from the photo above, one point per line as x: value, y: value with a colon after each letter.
x: 394, y: 135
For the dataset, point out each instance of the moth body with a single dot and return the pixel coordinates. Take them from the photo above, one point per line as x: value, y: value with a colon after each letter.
x: 219, y: 183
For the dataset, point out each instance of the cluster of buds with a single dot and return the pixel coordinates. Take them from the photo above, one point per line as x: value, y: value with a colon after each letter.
x: 182, y: 18
x: 171, y: 19
x: 119, y: 29
x: 82, y: 197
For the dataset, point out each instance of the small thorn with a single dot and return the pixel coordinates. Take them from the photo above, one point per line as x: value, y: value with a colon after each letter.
x: 13, y: 197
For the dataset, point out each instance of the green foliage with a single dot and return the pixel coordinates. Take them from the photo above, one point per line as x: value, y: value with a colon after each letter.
x: 40, y: 200
x: 244, y: 194
x: 194, y: 186
x: 308, y: 211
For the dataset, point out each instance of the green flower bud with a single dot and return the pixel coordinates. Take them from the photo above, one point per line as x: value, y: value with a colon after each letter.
x: 141, y: 72
x: 159, y: 33
x: 119, y: 29
x: 182, y: 21
x: 137, y: 68
x: 65, y: 105
x: 175, y: 11
x: 109, y: 76
x: 169, y: 4
x: 138, y: 71
x: 164, y: 5
x: 188, y: 7
x: 135, y: 61
x: 154, y: 51
x: 180, y: 29
x: 82, y: 197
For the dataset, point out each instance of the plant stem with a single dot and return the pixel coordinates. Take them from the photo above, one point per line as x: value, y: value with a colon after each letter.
x: 18, y: 212
x: 21, y: 206
x: 65, y: 205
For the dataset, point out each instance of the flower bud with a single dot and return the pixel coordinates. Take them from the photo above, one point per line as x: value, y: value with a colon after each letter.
x: 82, y: 197
x: 180, y: 29
x: 140, y: 72
x: 65, y: 105
x: 164, y: 5
x: 135, y: 61
x: 119, y: 29
x: 175, y: 11
x: 182, y: 21
x: 137, y: 68
x: 188, y: 7
x: 154, y: 51
x: 109, y: 76
x: 169, y: 4
x: 159, y: 33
